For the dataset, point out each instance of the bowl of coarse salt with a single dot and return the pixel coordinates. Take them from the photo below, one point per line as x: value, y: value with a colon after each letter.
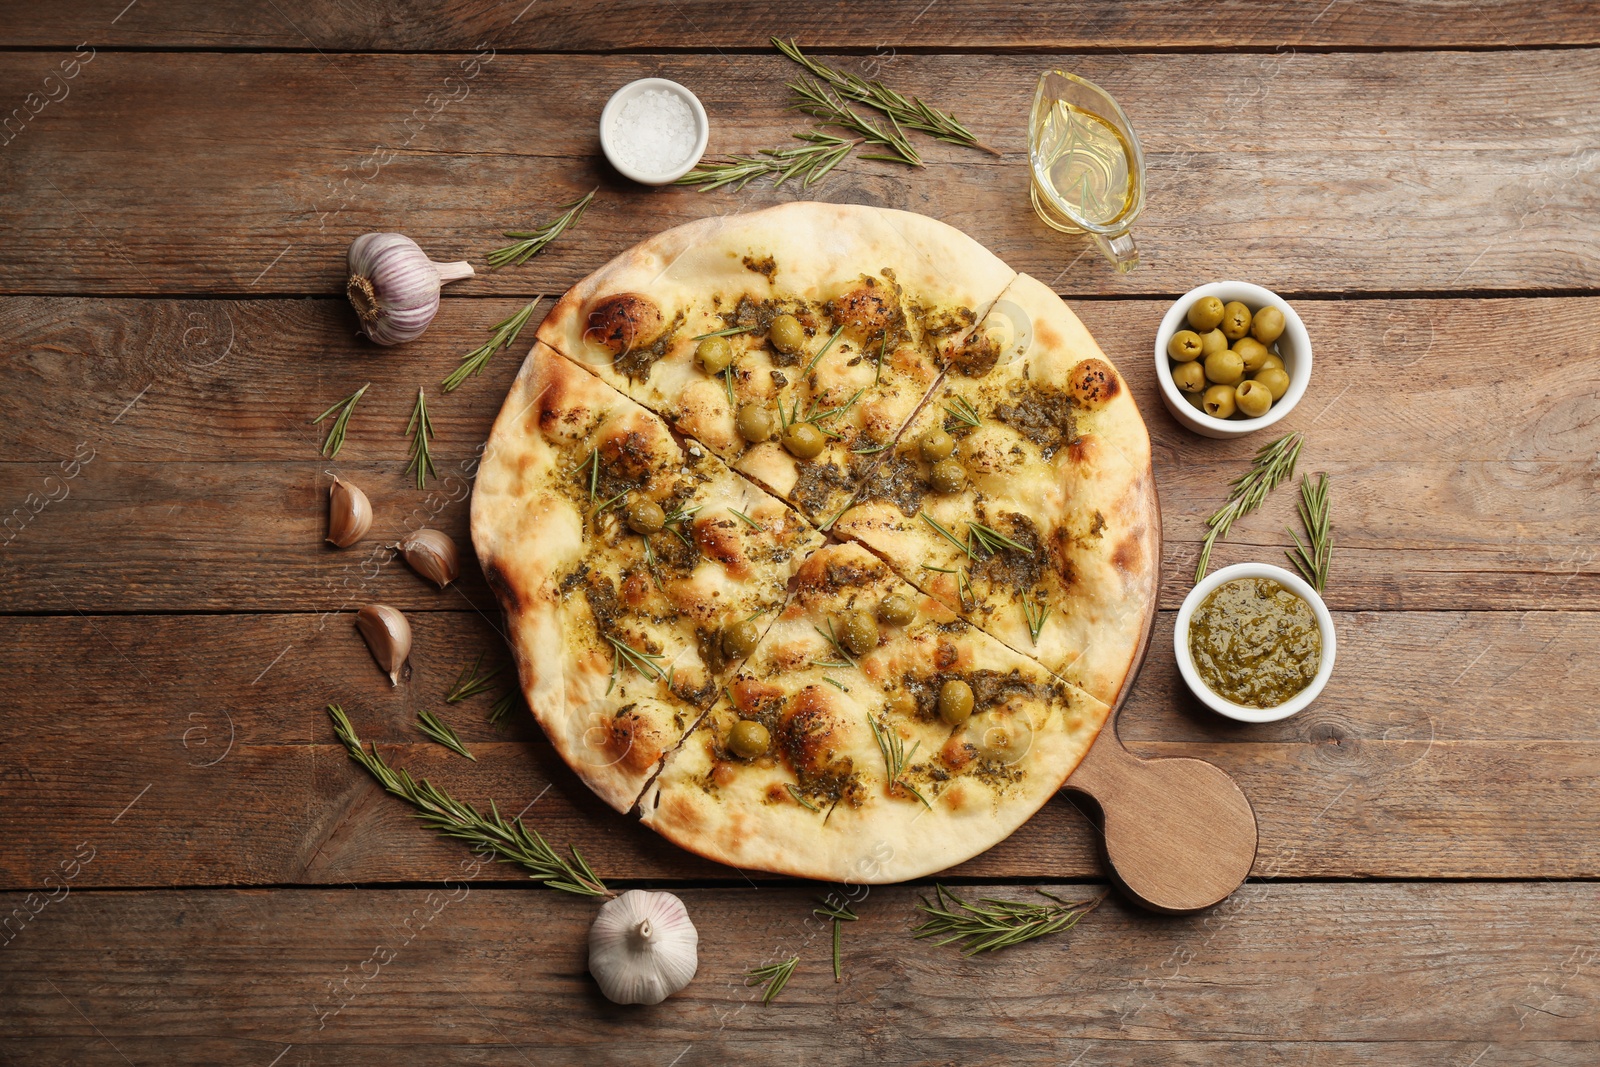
x: 653, y: 131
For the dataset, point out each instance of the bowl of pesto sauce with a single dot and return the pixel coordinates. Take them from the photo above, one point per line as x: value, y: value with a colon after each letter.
x: 1254, y: 642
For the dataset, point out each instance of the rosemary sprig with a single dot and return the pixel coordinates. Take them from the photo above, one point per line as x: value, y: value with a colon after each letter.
x: 818, y: 101
x: 1312, y: 561
x: 592, y: 461
x: 909, y: 112
x: 810, y: 162
x: 1034, y: 613
x: 992, y: 540
x: 437, y: 729
x: 534, y: 241
x: 729, y: 332
x: 748, y: 521
x: 773, y: 977
x: 505, y: 335
x: 839, y: 912
x: 992, y: 924
x: 895, y: 757
x: 947, y: 535
x: 834, y: 336
x: 646, y: 663
x: 420, y: 428
x: 500, y: 710
x: 800, y: 798
x: 335, y: 439
x: 509, y: 841
x: 1273, y: 463
x: 962, y: 411
x: 469, y: 683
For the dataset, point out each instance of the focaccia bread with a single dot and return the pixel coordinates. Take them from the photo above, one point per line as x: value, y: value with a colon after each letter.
x: 1051, y: 543
x: 864, y: 780
x: 737, y: 580
x: 619, y: 636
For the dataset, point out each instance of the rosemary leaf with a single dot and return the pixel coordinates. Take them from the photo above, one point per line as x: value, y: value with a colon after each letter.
x: 437, y: 729
x: 469, y: 683
x: 947, y: 535
x: 773, y: 977
x: 534, y: 241
x: 505, y: 335
x: 840, y: 912
x: 1312, y: 561
x: 809, y: 161
x: 509, y: 841
x: 1273, y: 463
x: 731, y: 331
x: 500, y: 710
x: 991, y: 924
x: 834, y: 336
x: 335, y: 439
x: 800, y: 798
x: 748, y: 521
x: 909, y: 112
x: 420, y: 428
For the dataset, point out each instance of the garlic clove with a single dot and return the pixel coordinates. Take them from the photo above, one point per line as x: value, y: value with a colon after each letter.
x: 394, y: 286
x: 432, y: 554
x: 349, y: 514
x: 388, y: 635
x: 643, y: 948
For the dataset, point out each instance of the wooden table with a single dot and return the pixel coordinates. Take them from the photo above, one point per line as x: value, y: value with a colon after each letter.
x: 195, y: 872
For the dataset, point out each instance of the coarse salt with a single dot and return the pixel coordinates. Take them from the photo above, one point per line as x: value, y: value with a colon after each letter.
x: 654, y: 132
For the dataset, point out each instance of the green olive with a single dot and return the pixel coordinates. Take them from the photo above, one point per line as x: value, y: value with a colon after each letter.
x: 1205, y: 313
x: 1253, y: 399
x: 947, y: 476
x: 1225, y: 368
x: 786, y: 334
x: 1184, y: 346
x: 1218, y: 401
x: 1268, y: 325
x: 902, y: 703
x: 803, y: 440
x: 897, y: 610
x: 936, y: 445
x: 1270, y: 362
x: 714, y: 354
x: 1276, y: 379
x: 1235, y: 320
x: 1212, y: 341
x: 955, y: 702
x: 860, y: 634
x: 739, y: 639
x: 749, y: 739
x: 755, y: 423
x: 1252, y: 351
x: 1190, y: 377
x: 1196, y: 400
x: 646, y: 517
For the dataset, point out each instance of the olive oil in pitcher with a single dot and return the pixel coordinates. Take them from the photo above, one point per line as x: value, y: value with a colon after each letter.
x: 1088, y: 170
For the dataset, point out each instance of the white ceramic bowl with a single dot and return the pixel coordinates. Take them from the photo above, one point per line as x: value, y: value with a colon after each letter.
x: 1294, y: 348
x: 1290, y: 581
x: 608, y: 134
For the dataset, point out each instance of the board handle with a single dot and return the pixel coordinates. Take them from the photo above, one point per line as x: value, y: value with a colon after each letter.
x: 1180, y: 834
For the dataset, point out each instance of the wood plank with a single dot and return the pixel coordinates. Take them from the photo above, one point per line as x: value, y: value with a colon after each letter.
x: 1279, y: 974
x: 1437, y: 171
x: 891, y: 26
x: 1463, y: 488
x: 223, y: 757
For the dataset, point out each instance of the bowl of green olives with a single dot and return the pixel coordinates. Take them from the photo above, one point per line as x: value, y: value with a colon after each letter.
x: 1232, y: 358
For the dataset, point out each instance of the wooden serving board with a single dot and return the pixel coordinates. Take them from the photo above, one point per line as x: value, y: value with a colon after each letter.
x: 1179, y: 834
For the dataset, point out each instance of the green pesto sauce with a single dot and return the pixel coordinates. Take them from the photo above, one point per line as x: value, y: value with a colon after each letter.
x: 1255, y: 643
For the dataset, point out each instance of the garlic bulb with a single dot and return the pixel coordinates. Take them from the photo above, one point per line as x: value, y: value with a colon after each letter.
x: 394, y: 286
x: 433, y: 555
x: 388, y: 635
x: 643, y: 948
x: 349, y: 514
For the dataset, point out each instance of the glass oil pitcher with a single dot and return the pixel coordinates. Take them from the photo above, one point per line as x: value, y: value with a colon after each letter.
x: 1088, y: 170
